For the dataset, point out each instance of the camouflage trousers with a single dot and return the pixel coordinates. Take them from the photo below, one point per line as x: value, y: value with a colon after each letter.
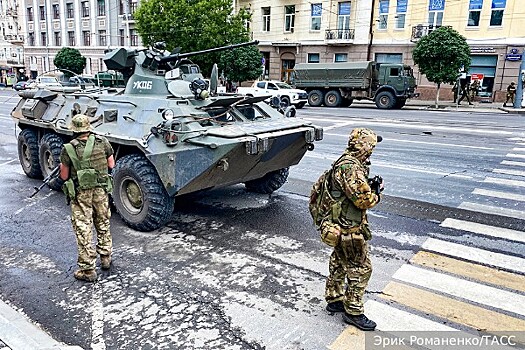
x: 91, y: 207
x: 349, y: 263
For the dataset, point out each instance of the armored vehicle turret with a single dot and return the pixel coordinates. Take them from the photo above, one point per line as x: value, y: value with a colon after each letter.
x: 172, y: 133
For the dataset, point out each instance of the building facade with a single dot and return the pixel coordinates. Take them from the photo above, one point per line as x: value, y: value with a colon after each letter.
x: 91, y: 26
x: 387, y: 31
x: 11, y: 42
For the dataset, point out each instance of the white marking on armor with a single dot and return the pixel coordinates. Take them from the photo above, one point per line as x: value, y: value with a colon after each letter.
x: 505, y: 182
x: 476, y: 292
x: 509, y: 172
x: 97, y: 319
x: 10, y: 161
x: 485, y: 230
x: 33, y: 203
x: 486, y: 257
x: 511, y: 162
x: 499, y: 194
x: 515, y: 155
x: 389, y: 318
x: 488, y: 209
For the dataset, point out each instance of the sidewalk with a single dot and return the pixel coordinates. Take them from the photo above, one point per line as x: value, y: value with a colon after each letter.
x: 18, y: 333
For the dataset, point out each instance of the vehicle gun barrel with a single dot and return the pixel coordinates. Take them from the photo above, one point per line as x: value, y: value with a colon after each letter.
x: 178, y: 56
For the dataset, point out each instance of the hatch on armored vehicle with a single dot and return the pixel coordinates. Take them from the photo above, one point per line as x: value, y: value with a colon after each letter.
x: 172, y: 133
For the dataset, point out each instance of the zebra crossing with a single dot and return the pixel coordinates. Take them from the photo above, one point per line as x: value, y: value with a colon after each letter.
x: 458, y: 287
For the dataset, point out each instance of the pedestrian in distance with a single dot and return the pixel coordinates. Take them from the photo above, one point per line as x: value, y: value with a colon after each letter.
x: 455, y: 91
x: 511, y: 94
x: 338, y: 204
x: 84, y: 166
x: 464, y: 85
x: 474, y: 89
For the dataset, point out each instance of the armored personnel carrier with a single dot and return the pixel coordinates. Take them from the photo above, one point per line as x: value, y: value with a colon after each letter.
x: 172, y: 133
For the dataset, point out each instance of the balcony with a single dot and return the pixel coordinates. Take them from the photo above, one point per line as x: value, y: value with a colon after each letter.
x: 421, y: 30
x: 14, y: 38
x: 339, y: 36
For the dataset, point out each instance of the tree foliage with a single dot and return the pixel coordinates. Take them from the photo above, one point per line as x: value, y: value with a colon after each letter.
x: 244, y: 63
x: 70, y: 60
x: 192, y: 25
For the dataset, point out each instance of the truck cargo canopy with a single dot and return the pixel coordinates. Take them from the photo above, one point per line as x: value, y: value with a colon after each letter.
x: 348, y: 74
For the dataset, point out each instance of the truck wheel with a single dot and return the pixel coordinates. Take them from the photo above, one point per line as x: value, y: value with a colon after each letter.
x: 49, y: 154
x: 385, y: 100
x: 346, y: 102
x: 332, y: 99
x: 28, y: 153
x: 315, y: 98
x: 139, y: 195
x: 269, y: 182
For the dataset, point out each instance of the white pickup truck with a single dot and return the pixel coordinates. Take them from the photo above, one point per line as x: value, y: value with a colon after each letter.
x: 288, y: 94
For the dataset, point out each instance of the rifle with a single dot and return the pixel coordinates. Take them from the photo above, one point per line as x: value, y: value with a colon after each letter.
x: 46, y: 180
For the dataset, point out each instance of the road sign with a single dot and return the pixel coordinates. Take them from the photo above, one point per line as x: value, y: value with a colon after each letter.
x: 476, y: 76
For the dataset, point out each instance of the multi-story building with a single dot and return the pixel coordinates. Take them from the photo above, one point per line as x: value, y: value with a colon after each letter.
x: 11, y: 42
x: 387, y: 31
x: 91, y: 26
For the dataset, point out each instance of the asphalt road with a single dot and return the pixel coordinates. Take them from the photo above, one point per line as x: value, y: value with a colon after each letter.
x: 236, y: 270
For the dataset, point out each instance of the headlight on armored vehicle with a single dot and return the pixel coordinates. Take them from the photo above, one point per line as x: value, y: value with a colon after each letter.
x: 168, y: 114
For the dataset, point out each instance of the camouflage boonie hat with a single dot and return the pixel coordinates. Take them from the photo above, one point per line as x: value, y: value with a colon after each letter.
x: 80, y: 123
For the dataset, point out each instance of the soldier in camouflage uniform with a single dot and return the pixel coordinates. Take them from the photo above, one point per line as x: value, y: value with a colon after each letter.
x: 349, y: 230
x: 89, y: 203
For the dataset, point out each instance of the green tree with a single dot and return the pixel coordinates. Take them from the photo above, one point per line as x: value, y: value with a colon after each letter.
x: 70, y: 60
x: 440, y: 55
x: 192, y: 25
x: 243, y: 63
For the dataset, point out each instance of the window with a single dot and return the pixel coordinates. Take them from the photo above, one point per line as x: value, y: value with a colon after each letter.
x: 121, y: 7
x: 42, y: 13
x: 261, y: 85
x: 30, y: 15
x: 289, y: 18
x: 395, y: 72
x: 86, y: 38
x: 313, y: 58
x: 43, y: 38
x: 71, y: 38
x: 496, y: 16
x: 102, y: 40
x: 317, y: 10
x: 101, y: 8
x: 133, y: 7
x: 265, y: 19
x: 85, y: 9
x: 56, y: 11
x: 31, y: 39
x: 389, y: 58
x: 133, y: 36
x: 401, y: 11
x: 341, y: 57
x: 58, y: 39
x: 272, y: 86
x: 121, y: 37
x: 383, y: 14
x: 474, y: 13
x: 435, y: 13
x: 70, y: 10
x: 343, y: 20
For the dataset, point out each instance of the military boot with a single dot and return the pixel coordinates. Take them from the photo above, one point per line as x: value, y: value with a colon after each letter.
x: 86, y: 275
x: 336, y: 306
x: 105, y: 261
x: 360, y: 321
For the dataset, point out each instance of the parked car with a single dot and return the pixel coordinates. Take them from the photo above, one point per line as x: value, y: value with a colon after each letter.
x: 22, y: 85
x: 52, y: 83
x: 84, y: 83
x: 296, y: 97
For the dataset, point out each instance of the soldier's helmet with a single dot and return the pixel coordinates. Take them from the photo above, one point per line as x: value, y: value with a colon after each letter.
x: 362, y: 142
x: 80, y: 123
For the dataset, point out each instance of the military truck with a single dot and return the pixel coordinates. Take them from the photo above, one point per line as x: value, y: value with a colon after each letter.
x: 339, y: 84
x: 171, y: 134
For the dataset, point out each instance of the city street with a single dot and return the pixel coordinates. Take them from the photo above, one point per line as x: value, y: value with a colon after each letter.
x: 238, y: 270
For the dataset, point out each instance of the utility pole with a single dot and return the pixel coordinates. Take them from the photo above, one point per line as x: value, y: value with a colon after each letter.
x: 519, y: 91
x: 371, y: 32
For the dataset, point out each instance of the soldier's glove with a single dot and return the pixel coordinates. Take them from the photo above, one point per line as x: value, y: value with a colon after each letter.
x: 56, y: 182
x: 375, y: 184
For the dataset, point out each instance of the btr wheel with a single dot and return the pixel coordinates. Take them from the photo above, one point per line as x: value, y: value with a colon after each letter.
x: 269, y: 182
x: 315, y: 98
x: 28, y: 153
x: 139, y: 195
x: 385, y: 100
x: 332, y: 98
x: 49, y: 155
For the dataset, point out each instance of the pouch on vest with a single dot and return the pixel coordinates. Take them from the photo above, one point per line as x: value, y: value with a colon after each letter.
x: 69, y: 190
x: 87, y: 178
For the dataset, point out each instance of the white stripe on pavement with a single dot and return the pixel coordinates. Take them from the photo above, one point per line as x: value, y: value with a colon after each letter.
x: 506, y: 182
x: 499, y: 194
x: 515, y: 155
x: 518, y: 149
x: 476, y: 255
x: 389, y: 318
x: 9, y: 161
x: 509, y: 172
x: 476, y: 292
x: 486, y: 230
x: 511, y: 162
x: 488, y: 209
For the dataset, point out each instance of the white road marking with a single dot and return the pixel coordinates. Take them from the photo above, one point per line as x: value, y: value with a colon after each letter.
x: 517, y: 138
x: 9, y: 161
x: 477, y: 255
x: 97, y: 319
x: 476, y: 292
x: 511, y: 162
x: 336, y: 126
x: 506, y: 182
x: 421, y: 142
x: 519, y: 149
x: 33, y: 203
x: 515, y: 155
x: 488, y: 209
x: 486, y: 230
x: 509, y: 172
x: 499, y: 194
